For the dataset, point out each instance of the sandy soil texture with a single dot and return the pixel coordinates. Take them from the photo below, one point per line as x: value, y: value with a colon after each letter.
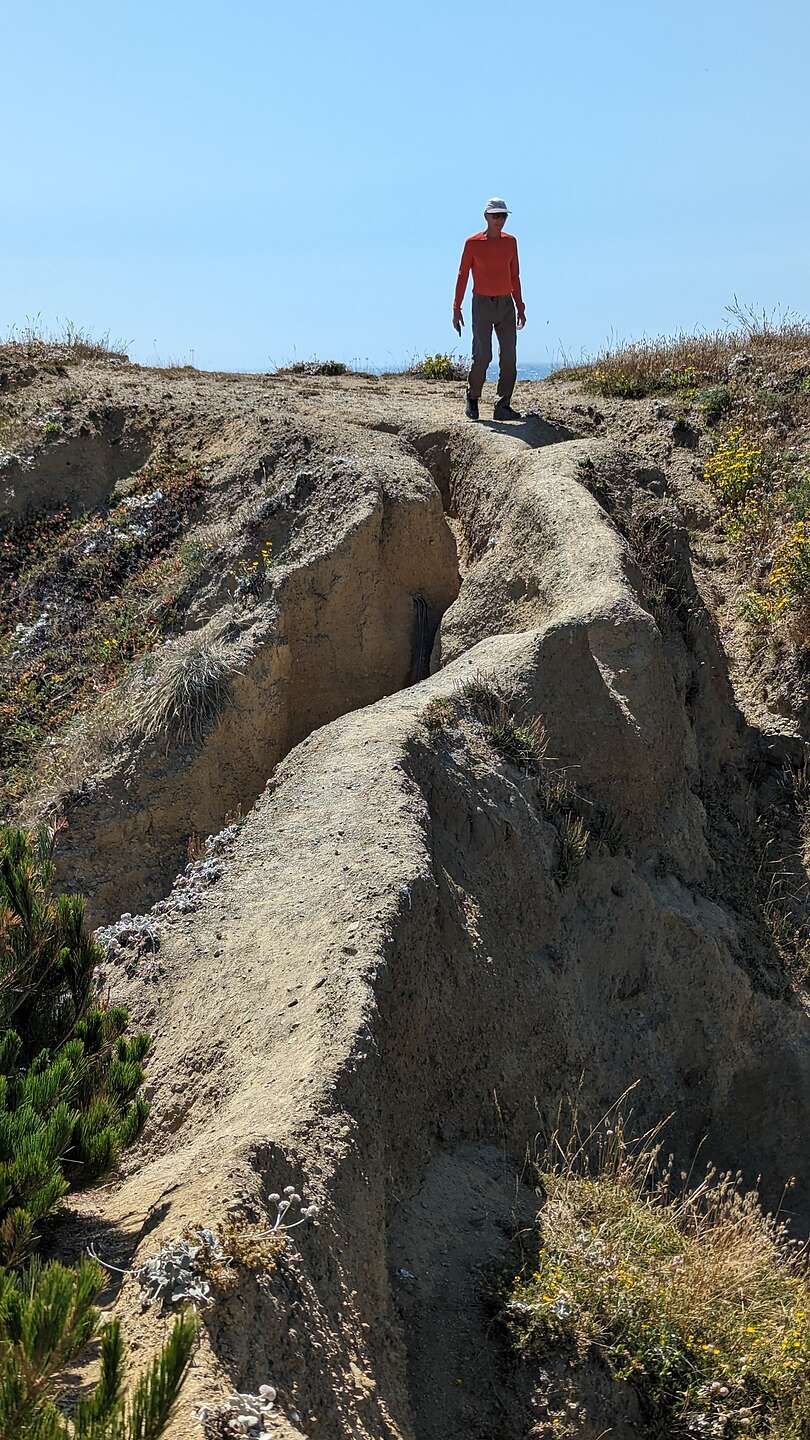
x: 405, y: 954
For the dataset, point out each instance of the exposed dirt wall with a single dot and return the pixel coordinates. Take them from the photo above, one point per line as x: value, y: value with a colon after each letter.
x: 396, y: 967
x: 405, y: 964
x: 334, y: 628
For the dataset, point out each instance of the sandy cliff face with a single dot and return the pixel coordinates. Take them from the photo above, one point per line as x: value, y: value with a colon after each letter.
x: 404, y: 963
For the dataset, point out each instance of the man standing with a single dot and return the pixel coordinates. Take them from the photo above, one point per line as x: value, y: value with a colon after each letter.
x: 493, y: 258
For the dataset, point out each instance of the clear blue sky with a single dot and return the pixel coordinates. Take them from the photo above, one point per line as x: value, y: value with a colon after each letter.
x: 248, y: 182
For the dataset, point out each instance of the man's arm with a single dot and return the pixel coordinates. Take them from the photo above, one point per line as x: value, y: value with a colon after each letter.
x: 517, y: 294
x: 461, y: 284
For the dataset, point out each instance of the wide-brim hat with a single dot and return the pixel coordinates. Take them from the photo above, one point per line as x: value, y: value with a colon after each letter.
x: 496, y: 206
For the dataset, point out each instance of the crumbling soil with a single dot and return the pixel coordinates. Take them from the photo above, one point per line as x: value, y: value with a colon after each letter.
x: 396, y: 970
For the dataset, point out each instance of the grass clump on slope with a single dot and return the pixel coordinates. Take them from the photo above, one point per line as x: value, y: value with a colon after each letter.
x: 70, y: 1101
x: 694, y: 1296
x: 697, y: 364
x: 763, y: 492
x: 519, y: 738
x: 750, y: 385
x: 184, y: 691
x: 521, y: 741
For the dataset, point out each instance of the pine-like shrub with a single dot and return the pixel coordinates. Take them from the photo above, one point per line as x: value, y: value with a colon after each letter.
x: 47, y: 1318
x: 70, y: 1101
x: 70, y: 1080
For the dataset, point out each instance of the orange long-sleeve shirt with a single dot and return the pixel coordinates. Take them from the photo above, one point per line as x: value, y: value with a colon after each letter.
x: 494, y: 265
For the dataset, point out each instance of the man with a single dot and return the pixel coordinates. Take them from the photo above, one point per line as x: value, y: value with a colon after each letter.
x: 493, y: 258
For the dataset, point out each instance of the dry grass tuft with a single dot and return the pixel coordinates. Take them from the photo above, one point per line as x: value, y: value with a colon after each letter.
x: 651, y: 366
x: 691, y: 1292
x: 184, y: 691
x: 68, y: 344
x: 574, y: 837
x: 522, y: 742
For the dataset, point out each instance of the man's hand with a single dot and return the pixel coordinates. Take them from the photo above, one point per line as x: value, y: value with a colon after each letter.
x: 458, y: 319
x: 521, y: 317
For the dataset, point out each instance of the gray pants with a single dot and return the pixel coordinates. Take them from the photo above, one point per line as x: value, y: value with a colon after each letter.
x: 493, y: 312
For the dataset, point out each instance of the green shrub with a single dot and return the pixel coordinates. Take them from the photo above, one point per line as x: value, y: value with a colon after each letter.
x: 734, y: 467
x: 314, y: 367
x: 333, y: 367
x: 440, y: 367
x: 714, y: 401
x: 790, y: 575
x: 70, y: 1080
x: 698, y: 1299
x: 47, y: 1318
x: 70, y: 1099
x: 750, y: 526
x: 797, y: 498
x: 757, y: 609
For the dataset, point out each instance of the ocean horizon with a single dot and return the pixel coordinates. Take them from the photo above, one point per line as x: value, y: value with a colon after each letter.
x: 530, y: 370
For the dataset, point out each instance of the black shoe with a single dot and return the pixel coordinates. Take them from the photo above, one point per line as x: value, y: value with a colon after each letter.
x: 471, y: 408
x: 503, y: 411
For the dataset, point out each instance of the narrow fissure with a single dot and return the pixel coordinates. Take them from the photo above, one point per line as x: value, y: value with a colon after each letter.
x: 345, y: 630
x: 351, y: 625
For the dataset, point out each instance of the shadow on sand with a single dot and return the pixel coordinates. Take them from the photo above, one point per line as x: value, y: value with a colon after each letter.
x: 531, y: 429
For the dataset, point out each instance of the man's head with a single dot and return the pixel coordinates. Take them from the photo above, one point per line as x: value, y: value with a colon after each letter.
x: 495, y: 215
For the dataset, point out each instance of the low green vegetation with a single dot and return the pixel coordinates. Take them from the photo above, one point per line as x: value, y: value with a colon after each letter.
x: 763, y: 492
x: 694, y: 1296
x: 314, y: 367
x: 48, y: 1318
x: 70, y: 1100
x: 70, y: 1080
x: 80, y: 598
x: 440, y: 367
x: 750, y: 387
x: 713, y: 402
